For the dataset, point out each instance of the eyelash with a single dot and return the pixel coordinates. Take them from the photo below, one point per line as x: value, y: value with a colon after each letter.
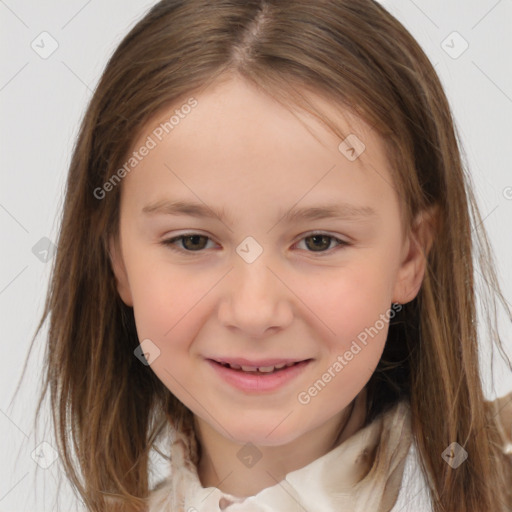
x: 169, y: 243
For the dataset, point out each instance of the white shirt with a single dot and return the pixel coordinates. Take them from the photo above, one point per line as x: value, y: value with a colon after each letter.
x: 330, y: 483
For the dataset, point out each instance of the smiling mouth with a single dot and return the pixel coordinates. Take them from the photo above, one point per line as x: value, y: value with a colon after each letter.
x: 258, y: 370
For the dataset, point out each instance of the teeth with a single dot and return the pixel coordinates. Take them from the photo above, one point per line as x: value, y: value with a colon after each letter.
x: 250, y: 368
x: 266, y: 369
x: 261, y: 369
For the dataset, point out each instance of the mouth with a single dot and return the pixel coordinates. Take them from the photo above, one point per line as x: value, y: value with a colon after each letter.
x: 263, y: 376
x: 258, y: 367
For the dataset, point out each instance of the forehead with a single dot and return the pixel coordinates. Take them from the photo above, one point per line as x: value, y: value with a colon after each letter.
x: 238, y: 144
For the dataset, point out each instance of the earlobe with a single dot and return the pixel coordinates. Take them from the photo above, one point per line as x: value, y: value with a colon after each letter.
x: 119, y: 269
x: 413, y: 267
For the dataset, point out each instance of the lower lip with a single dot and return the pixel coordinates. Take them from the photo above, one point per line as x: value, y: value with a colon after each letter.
x: 258, y: 382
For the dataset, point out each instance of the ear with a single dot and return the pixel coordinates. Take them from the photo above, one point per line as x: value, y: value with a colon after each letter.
x: 119, y: 269
x: 416, y: 249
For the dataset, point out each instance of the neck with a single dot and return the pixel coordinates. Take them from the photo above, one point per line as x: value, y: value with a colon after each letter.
x: 220, y: 467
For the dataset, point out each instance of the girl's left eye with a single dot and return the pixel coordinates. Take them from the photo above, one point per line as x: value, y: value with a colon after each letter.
x: 194, y: 242
x: 323, y: 240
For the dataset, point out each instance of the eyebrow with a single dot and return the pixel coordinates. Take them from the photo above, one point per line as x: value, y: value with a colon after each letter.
x: 294, y: 215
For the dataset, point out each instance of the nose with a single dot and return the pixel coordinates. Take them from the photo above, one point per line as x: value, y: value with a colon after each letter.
x: 254, y: 300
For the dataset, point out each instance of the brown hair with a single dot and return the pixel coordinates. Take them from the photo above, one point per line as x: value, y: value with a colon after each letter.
x: 109, y: 408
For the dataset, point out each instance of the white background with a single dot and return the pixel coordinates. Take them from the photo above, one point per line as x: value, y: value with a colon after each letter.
x: 42, y: 101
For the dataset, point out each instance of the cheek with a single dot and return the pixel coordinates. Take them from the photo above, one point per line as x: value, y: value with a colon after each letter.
x: 167, y: 302
x: 350, y: 300
x: 159, y: 302
x: 167, y: 311
x: 357, y: 307
x: 154, y: 301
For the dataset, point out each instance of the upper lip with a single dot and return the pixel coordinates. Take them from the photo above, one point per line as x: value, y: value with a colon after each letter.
x: 240, y: 361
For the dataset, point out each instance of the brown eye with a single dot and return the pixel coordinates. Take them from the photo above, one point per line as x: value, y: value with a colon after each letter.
x: 319, y: 242
x: 189, y: 243
x: 194, y: 242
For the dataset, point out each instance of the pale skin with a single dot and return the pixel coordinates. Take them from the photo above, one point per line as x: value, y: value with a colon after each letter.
x: 242, y: 152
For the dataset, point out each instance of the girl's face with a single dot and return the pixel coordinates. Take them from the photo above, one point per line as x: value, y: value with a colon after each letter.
x: 300, y: 262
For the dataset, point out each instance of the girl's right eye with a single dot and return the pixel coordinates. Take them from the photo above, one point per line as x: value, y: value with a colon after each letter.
x: 190, y: 242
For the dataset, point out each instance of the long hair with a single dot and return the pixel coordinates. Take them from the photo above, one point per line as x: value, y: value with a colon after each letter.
x: 107, y: 408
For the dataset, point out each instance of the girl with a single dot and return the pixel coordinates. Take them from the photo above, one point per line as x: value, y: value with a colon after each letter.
x: 192, y: 301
